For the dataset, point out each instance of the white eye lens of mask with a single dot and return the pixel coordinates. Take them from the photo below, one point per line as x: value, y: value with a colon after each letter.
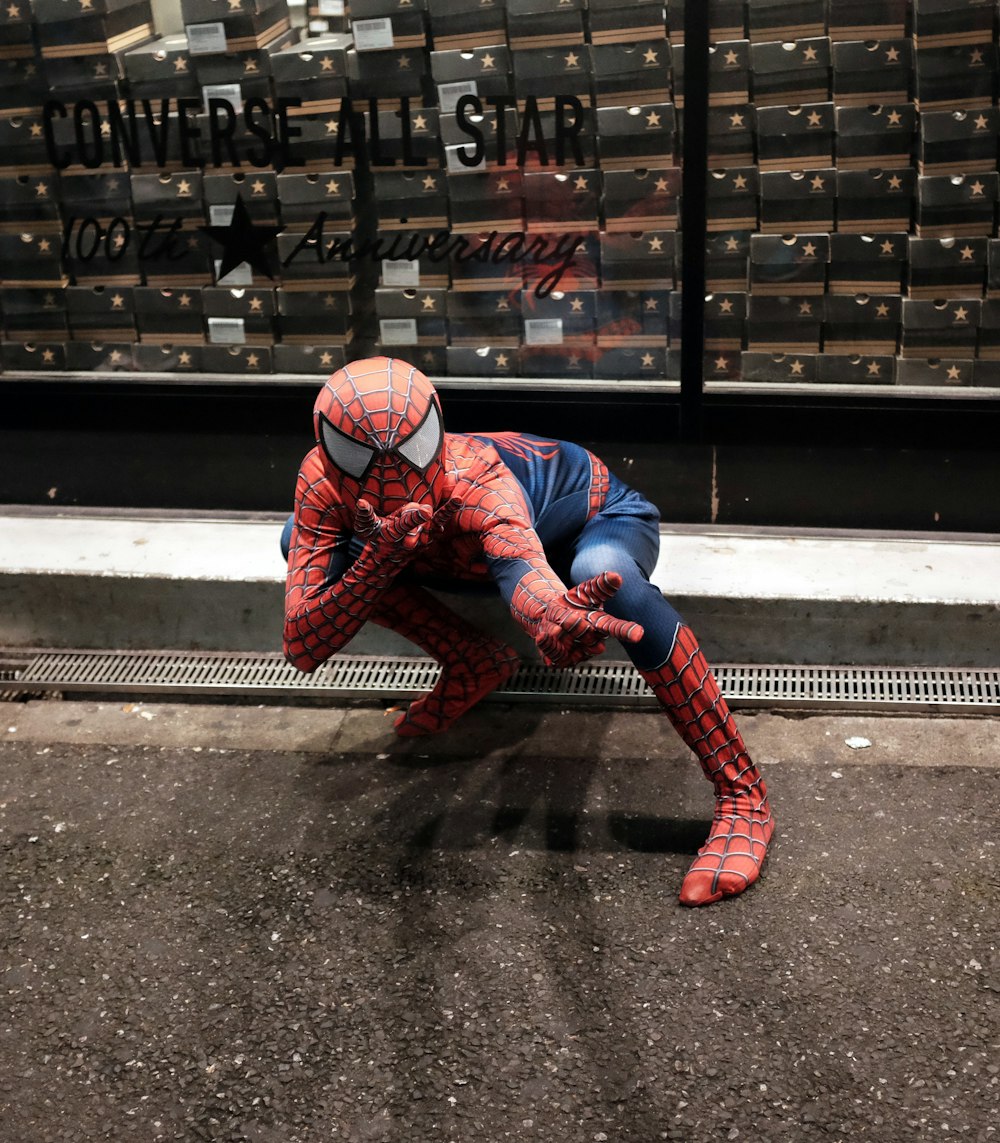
x: 424, y: 444
x: 348, y: 455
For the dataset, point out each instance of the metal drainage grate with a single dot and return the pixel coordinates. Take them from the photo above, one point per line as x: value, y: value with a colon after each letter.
x: 974, y: 690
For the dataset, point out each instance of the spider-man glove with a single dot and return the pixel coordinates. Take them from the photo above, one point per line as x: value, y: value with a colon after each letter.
x: 395, y: 539
x: 570, y: 626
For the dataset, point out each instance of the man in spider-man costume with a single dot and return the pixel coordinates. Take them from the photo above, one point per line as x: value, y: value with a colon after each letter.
x: 388, y: 499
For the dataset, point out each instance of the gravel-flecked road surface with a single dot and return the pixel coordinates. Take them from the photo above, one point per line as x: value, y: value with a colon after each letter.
x: 207, y: 936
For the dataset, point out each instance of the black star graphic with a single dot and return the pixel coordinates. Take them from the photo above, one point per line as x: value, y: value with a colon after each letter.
x: 243, y: 241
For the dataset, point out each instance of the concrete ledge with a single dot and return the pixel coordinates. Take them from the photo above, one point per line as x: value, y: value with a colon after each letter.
x: 755, y: 596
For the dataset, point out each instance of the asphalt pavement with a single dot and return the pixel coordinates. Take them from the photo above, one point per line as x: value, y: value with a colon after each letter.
x: 283, y: 925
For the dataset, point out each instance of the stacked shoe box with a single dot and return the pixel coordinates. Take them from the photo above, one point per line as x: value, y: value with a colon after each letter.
x: 164, y: 176
x: 82, y: 45
x: 955, y: 73
x: 876, y: 125
x: 230, y: 43
x: 32, y: 275
x: 22, y: 81
x: 486, y: 196
x: 555, y: 72
x: 955, y: 53
x: 409, y: 191
x: 389, y: 58
x: 326, y: 16
x: 727, y: 20
x: 875, y: 136
x: 869, y: 126
x: 313, y: 201
x: 639, y: 240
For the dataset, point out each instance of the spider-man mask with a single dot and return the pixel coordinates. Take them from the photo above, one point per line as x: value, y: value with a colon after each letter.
x: 378, y: 423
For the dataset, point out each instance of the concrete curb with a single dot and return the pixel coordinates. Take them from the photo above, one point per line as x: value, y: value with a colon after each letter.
x: 176, y: 582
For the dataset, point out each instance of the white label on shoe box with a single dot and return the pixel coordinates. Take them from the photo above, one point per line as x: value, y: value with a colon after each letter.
x: 450, y: 93
x: 543, y: 331
x: 206, y: 39
x: 232, y: 93
x: 226, y: 331
x: 331, y: 7
x: 398, y: 331
x: 400, y: 272
x: 241, y: 275
x: 372, y: 35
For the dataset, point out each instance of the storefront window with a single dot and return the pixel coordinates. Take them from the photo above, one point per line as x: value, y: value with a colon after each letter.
x: 495, y: 191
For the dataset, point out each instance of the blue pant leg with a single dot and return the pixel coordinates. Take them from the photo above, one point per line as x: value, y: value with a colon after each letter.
x: 628, y: 545
x: 286, y: 537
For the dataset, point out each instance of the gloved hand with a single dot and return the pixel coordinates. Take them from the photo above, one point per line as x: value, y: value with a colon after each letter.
x: 571, y: 627
x: 398, y: 537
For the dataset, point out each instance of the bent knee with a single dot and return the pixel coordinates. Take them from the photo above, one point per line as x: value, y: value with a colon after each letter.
x: 604, y: 558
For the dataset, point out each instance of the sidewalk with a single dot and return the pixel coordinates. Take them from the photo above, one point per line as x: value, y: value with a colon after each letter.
x: 285, y: 925
x: 89, y: 579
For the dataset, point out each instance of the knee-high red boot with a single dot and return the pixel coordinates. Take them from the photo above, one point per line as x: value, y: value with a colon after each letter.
x: 731, y: 858
x: 472, y: 663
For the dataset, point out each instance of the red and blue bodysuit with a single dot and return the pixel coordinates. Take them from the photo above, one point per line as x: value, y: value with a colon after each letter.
x: 387, y: 502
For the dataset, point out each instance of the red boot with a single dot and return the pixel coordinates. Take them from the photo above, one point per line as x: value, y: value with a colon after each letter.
x: 731, y: 858
x: 472, y: 663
